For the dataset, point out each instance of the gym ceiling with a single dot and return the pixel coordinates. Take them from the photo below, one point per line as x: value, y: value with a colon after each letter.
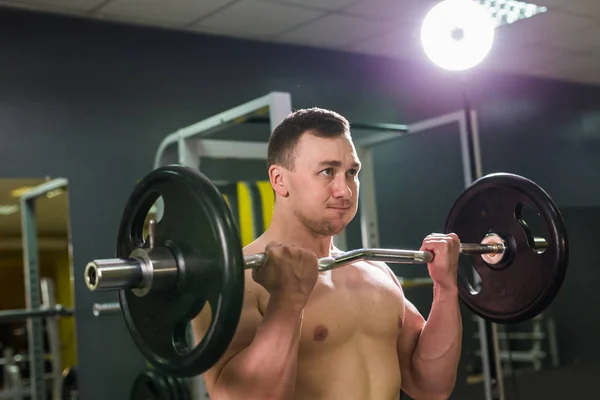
x: 561, y: 43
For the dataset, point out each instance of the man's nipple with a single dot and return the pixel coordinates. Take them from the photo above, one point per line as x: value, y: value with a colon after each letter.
x: 320, y: 333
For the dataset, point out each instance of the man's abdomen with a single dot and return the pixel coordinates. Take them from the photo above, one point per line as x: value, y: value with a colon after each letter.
x: 361, y: 369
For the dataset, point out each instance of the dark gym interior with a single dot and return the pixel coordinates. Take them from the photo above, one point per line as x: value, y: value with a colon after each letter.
x: 90, y: 100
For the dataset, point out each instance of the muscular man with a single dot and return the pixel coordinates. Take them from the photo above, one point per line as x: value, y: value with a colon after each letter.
x: 344, y: 334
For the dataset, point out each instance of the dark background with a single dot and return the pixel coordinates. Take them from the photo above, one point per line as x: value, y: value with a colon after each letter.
x: 91, y: 101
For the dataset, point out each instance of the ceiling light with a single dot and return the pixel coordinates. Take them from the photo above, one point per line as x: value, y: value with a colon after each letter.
x: 457, y: 34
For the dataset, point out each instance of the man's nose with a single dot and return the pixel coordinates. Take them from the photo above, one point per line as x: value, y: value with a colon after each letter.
x: 341, y: 189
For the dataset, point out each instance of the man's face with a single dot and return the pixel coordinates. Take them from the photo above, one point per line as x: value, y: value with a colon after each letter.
x: 323, y: 187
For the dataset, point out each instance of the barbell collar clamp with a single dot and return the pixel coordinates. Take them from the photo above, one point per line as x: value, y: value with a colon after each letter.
x: 144, y: 270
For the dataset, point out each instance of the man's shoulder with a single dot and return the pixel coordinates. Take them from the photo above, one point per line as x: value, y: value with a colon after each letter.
x: 381, y: 266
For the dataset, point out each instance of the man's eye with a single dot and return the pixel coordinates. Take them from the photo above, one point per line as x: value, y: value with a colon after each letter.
x: 327, y: 172
x: 353, y: 172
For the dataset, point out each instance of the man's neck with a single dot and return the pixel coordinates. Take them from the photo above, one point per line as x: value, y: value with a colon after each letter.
x: 290, y: 231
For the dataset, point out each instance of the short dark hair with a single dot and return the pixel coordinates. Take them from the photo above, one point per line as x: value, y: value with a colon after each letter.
x: 316, y: 121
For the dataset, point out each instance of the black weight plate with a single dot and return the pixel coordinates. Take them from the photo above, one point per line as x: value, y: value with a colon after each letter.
x: 198, y: 227
x: 174, y: 385
x: 184, y: 385
x: 525, y: 282
x: 150, y: 385
x: 70, y: 389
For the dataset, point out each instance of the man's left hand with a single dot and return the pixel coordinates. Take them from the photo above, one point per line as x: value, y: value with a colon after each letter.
x: 444, y: 267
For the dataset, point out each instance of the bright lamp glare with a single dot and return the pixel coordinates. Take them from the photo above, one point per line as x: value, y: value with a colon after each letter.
x: 457, y: 34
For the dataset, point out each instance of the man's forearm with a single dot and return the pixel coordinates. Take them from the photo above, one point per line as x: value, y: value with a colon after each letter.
x: 266, y: 369
x: 437, y: 354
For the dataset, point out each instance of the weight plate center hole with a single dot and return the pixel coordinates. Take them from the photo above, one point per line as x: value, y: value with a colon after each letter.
x: 186, y: 338
x: 469, y: 275
x: 534, y: 227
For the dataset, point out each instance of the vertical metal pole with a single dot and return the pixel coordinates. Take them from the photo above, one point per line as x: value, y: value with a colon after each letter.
x: 13, y: 388
x: 488, y: 332
x: 368, y: 203
x: 280, y: 107
x: 35, y: 328
x: 187, y: 152
x: 188, y: 155
x: 49, y: 300
x: 7, y: 354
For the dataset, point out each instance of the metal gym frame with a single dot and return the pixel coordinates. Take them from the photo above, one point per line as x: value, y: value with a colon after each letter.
x: 36, y: 305
x: 193, y: 145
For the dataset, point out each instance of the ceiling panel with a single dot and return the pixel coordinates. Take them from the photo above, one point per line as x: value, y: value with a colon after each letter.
x: 582, y: 7
x: 565, y: 34
x: 588, y: 76
x: 551, y: 3
x: 398, y: 10
x: 259, y: 17
x: 584, y: 40
x: 321, y: 4
x: 402, y: 42
x: 52, y: 5
x: 547, y: 27
x: 564, y: 66
x: 348, y: 30
x: 232, y: 32
x: 172, y: 12
x: 509, y: 56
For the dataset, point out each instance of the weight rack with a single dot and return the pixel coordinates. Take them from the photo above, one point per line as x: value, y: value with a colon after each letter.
x: 40, y: 304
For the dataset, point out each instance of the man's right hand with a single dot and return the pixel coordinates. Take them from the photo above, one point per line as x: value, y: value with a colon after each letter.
x: 289, y: 273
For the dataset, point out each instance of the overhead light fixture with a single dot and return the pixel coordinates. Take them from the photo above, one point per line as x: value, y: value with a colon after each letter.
x: 457, y: 34
x: 505, y: 12
x: 8, y: 209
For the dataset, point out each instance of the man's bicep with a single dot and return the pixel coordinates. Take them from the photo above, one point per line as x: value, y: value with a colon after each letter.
x: 250, y: 319
x: 408, y: 339
x: 411, y: 330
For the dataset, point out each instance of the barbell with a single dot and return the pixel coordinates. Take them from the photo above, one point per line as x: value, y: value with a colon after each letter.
x: 193, y: 255
x: 57, y: 310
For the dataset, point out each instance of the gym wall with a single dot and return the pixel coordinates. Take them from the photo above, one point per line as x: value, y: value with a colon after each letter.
x: 91, y: 101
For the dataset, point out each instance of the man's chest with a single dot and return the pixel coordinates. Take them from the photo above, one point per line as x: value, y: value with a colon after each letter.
x: 355, y: 300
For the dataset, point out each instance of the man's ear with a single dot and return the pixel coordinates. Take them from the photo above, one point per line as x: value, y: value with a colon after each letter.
x: 278, y: 181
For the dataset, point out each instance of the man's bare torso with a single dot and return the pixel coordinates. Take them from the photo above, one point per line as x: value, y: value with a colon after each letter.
x: 349, y: 333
